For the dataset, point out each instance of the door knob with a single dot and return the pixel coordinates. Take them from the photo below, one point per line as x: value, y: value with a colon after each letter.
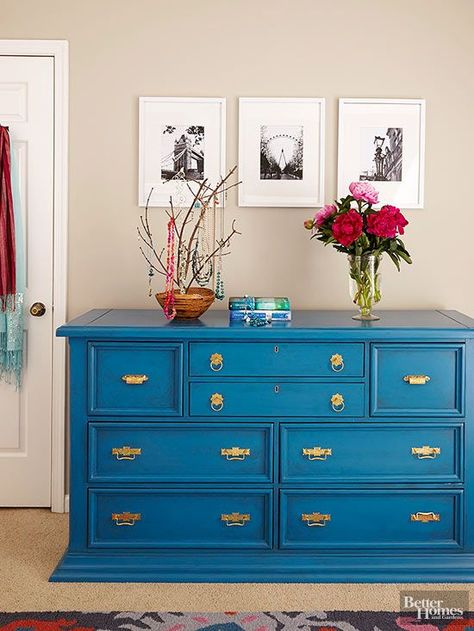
x: 37, y: 309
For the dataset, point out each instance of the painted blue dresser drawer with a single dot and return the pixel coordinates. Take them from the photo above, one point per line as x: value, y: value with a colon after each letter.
x: 265, y: 359
x: 135, y: 378
x: 259, y: 398
x: 176, y: 518
x: 188, y: 452
x: 417, y: 380
x: 385, y: 518
x: 322, y: 453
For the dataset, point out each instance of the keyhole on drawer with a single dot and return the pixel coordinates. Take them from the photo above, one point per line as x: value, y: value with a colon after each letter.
x: 276, y: 349
x: 277, y: 389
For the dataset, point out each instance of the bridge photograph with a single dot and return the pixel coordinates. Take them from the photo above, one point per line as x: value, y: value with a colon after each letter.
x: 182, y: 149
x: 281, y: 152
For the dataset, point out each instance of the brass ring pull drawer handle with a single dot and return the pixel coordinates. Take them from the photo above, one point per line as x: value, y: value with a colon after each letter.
x: 235, y: 453
x: 134, y: 380
x: 126, y: 452
x: 126, y: 519
x: 217, y: 402
x: 317, y: 453
x: 337, y: 402
x: 216, y: 362
x: 422, y: 453
x: 425, y: 518
x: 315, y: 519
x: 416, y: 380
x: 337, y: 362
x: 235, y: 519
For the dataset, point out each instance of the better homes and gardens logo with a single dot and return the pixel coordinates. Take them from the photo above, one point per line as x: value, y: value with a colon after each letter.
x: 435, y: 605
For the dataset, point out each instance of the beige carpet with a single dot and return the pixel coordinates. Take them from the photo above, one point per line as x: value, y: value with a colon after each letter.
x: 33, y: 540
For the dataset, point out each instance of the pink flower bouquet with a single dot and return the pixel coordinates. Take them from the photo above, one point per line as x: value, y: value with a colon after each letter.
x: 353, y: 226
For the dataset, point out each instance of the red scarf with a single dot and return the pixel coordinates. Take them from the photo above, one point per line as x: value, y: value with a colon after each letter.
x: 7, y: 223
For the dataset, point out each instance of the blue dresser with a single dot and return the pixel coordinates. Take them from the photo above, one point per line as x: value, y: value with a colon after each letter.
x: 321, y: 450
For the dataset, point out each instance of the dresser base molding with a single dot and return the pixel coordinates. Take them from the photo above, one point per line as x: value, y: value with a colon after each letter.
x: 263, y: 568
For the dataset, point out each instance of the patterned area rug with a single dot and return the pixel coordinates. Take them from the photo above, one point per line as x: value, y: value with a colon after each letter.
x: 228, y: 621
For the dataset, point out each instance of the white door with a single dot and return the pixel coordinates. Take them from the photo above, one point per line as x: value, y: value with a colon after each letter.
x: 26, y: 107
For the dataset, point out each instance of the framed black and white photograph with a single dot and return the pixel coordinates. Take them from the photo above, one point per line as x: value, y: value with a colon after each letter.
x: 383, y: 141
x: 181, y: 140
x: 182, y: 149
x: 281, y: 152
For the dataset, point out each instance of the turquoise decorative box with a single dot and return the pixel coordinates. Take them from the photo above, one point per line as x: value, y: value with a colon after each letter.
x: 322, y: 449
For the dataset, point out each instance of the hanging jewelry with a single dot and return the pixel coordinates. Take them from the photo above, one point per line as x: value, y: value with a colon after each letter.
x: 182, y: 256
x: 195, y: 251
x: 179, y: 203
x: 169, y: 308
x: 201, y: 263
x: 148, y: 245
x: 151, y: 273
x: 220, y: 295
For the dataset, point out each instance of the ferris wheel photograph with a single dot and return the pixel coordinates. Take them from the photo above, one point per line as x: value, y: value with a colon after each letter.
x: 281, y: 152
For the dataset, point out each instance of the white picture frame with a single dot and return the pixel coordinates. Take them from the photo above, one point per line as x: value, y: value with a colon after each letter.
x: 164, y: 124
x: 298, y: 127
x: 383, y: 141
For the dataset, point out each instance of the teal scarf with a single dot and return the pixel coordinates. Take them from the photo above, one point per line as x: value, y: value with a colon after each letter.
x: 12, y: 319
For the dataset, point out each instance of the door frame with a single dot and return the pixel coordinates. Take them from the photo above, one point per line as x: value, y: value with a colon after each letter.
x: 59, y: 51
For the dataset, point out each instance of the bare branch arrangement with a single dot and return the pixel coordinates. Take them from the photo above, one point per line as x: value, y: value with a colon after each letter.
x: 186, y: 223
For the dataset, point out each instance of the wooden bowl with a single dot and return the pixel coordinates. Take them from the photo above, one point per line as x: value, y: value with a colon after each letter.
x: 191, y: 305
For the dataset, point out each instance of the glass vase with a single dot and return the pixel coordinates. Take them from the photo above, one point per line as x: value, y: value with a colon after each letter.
x: 364, y: 284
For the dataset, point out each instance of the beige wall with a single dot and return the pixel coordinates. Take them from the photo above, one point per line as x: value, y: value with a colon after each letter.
x: 121, y: 49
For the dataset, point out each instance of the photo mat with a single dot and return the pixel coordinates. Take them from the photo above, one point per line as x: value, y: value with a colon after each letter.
x: 181, y: 143
x: 281, y: 152
x: 383, y: 141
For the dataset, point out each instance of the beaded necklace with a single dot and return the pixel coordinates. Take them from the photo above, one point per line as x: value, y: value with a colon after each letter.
x: 219, y: 277
x: 202, y: 270
x: 169, y: 308
x: 180, y: 201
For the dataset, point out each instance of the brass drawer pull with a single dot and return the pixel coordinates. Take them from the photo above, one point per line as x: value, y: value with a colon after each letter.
x: 216, y: 362
x: 315, y: 519
x: 217, y: 402
x: 126, y: 452
x: 126, y: 519
x: 235, y: 519
x: 134, y: 380
x: 317, y: 453
x: 337, y: 362
x: 235, y: 453
x: 424, y: 518
x: 426, y: 452
x: 337, y: 402
x: 416, y: 380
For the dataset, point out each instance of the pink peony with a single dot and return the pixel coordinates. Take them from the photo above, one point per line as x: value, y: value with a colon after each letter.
x: 387, y: 222
x: 347, y: 227
x: 326, y: 211
x: 397, y: 217
x: 364, y: 191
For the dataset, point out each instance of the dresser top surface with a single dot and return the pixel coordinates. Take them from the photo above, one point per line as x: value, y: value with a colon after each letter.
x: 152, y: 321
